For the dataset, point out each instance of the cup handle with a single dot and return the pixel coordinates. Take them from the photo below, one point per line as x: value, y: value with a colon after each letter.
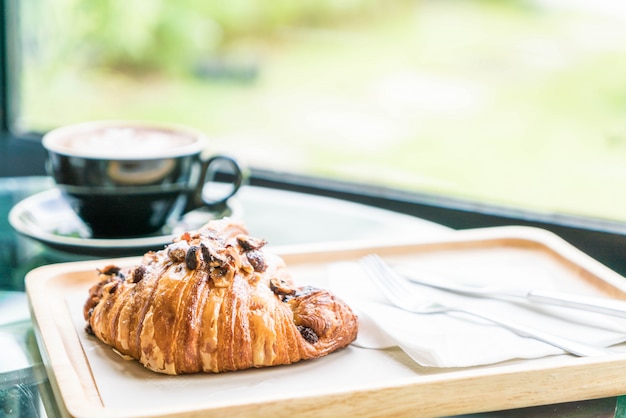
x: 197, y: 200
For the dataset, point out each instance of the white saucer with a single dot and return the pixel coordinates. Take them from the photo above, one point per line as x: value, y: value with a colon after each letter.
x: 46, y: 217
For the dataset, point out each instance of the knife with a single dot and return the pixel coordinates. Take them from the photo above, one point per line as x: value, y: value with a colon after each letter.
x: 601, y: 305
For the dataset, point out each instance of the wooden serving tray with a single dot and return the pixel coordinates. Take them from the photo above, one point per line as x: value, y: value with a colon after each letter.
x: 89, y: 380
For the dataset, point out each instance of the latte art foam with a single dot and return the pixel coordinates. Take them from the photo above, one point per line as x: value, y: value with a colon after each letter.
x: 124, y: 143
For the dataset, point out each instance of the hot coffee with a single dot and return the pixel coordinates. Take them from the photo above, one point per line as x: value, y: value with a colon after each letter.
x: 127, y: 179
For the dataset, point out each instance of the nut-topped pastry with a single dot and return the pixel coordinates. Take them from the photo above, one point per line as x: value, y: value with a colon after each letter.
x: 212, y: 301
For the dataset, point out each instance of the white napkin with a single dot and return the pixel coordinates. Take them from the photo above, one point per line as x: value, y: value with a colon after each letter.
x: 458, y: 340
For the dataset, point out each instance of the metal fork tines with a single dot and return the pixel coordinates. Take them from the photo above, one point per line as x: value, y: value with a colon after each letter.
x: 402, y: 294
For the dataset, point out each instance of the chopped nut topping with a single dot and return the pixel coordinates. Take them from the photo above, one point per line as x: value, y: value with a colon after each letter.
x: 177, y: 251
x: 257, y: 260
x: 281, y: 288
x: 249, y: 243
x: 110, y: 270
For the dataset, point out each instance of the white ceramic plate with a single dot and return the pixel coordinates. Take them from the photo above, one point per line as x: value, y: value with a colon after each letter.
x: 46, y: 217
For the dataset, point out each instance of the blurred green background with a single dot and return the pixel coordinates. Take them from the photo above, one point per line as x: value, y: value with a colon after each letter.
x: 519, y: 103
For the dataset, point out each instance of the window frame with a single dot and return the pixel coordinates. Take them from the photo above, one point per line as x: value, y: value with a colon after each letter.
x: 20, y: 155
x: 23, y: 155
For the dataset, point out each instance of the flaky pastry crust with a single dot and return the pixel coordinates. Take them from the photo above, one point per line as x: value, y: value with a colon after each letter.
x: 213, y: 301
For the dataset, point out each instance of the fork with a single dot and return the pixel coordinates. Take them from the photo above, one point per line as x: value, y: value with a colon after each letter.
x: 603, y: 305
x: 399, y: 292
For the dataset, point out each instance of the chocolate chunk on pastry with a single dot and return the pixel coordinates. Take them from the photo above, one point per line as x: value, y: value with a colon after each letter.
x: 213, y: 301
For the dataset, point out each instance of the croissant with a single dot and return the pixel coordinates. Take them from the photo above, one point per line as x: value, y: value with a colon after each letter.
x: 213, y: 301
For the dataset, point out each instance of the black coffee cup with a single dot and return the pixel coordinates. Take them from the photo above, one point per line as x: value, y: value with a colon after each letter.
x: 128, y: 179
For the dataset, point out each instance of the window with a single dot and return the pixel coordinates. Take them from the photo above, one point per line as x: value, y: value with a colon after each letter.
x: 515, y: 103
x: 519, y: 104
